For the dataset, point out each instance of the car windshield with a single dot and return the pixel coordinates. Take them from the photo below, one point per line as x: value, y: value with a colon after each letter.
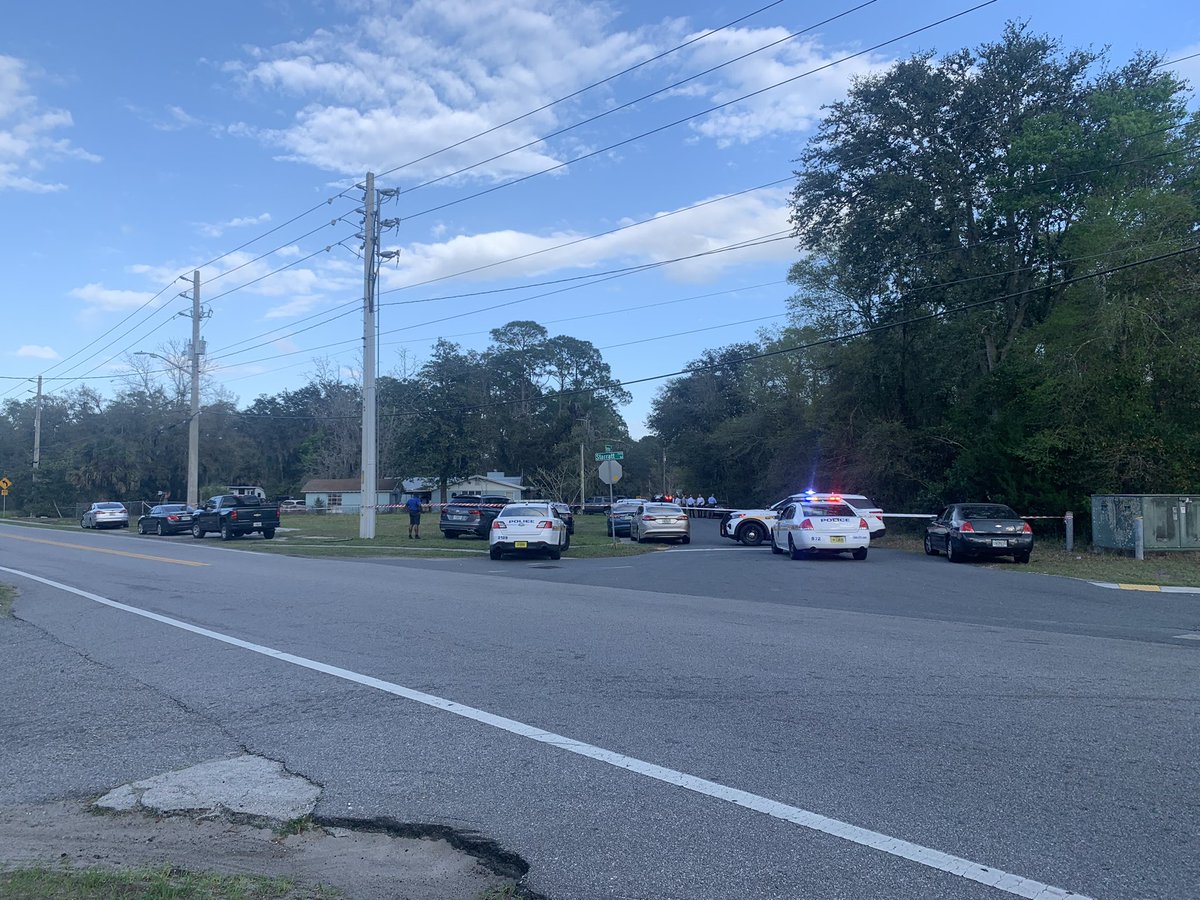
x: 987, y: 512
x: 625, y: 507
x: 522, y: 512
x: 827, y: 509
x: 109, y: 506
x: 664, y: 510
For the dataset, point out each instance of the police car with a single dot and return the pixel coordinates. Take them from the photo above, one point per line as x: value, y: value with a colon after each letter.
x: 820, y: 524
x: 531, y: 526
x: 752, y: 526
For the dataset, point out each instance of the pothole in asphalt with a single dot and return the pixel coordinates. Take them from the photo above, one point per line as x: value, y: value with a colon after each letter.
x: 249, y: 815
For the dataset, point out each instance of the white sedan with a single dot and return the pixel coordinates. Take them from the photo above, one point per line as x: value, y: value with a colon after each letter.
x: 821, y: 524
x: 529, y: 527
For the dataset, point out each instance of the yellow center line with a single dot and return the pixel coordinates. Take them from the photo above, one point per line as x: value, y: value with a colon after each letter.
x: 166, y: 559
x: 1140, y: 587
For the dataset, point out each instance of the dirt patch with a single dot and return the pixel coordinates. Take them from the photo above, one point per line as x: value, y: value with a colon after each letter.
x: 354, y: 862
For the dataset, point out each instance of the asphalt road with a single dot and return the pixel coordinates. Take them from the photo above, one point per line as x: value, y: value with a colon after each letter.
x: 721, y: 700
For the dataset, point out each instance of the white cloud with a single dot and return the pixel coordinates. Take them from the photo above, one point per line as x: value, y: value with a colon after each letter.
x: 101, y: 299
x: 28, y: 140
x: 219, y: 228
x: 34, y: 351
x: 669, y: 235
x: 795, y: 107
x: 396, y: 86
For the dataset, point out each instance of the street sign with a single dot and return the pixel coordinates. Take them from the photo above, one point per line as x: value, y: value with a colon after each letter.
x: 5, y: 483
x: 609, y: 454
x: 610, y: 471
x: 3, y: 492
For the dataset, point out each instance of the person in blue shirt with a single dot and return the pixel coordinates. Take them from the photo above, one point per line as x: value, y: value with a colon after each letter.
x: 413, y: 505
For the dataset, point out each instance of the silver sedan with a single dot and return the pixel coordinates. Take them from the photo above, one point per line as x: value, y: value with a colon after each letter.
x: 105, y: 514
x: 660, y: 520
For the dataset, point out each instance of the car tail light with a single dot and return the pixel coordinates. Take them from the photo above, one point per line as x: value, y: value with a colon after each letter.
x: 496, y: 523
x: 862, y: 524
x: 1026, y: 528
x: 967, y: 526
x: 647, y: 518
x: 233, y: 516
x: 806, y: 525
x: 681, y: 518
x: 545, y: 524
x: 472, y: 512
x: 172, y: 518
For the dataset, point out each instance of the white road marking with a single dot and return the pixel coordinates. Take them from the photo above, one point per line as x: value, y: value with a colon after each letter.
x: 926, y: 856
x: 1193, y: 636
x: 705, y: 550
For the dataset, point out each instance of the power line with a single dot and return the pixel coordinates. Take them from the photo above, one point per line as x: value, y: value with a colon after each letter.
x: 701, y: 113
x: 577, y: 93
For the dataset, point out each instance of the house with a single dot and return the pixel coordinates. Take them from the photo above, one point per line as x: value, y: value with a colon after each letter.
x: 493, y: 483
x: 345, y: 494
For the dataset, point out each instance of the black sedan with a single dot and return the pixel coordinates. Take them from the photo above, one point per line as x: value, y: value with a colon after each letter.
x: 170, y: 518
x: 471, y: 514
x: 621, y: 515
x: 979, y: 529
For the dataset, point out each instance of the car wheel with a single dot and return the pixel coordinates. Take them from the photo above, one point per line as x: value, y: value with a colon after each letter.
x: 929, y: 551
x: 774, y: 546
x: 794, y: 551
x: 751, y: 535
x: 494, y: 552
x: 197, y: 531
x: 226, y: 532
x: 1022, y: 558
x: 556, y: 553
x: 450, y: 535
x: 268, y: 533
x: 161, y: 530
x: 82, y: 524
x: 567, y: 545
x: 860, y: 553
x: 952, y: 555
x: 686, y: 539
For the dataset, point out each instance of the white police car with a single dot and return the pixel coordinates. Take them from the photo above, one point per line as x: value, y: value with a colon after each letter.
x: 531, y: 526
x: 820, y: 524
x: 752, y: 526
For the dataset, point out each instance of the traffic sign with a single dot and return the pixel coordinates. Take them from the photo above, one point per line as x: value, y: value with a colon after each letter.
x: 610, y: 471
x: 3, y: 492
x: 5, y: 483
x: 609, y: 454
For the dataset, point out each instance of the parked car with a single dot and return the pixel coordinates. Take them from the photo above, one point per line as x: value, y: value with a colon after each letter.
x: 595, y: 505
x: 619, y: 516
x: 235, y: 515
x: 105, y: 514
x: 820, y: 524
x: 528, y: 527
x: 979, y: 529
x: 566, y: 514
x: 471, y: 514
x: 292, y: 506
x: 170, y: 518
x: 660, y: 520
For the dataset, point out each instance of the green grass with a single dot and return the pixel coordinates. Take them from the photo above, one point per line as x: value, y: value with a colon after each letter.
x: 337, y: 535
x: 1051, y: 558
x: 8, y: 593
x: 42, y: 883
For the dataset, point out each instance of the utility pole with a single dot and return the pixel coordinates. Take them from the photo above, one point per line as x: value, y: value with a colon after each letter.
x: 37, y: 430
x: 370, y: 483
x: 372, y: 225
x: 193, y: 466
x: 582, y: 499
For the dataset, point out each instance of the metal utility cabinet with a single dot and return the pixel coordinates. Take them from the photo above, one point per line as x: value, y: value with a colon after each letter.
x: 1169, y: 521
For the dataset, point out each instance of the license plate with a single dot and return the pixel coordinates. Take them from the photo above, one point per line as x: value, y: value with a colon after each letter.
x: 457, y: 518
x: 258, y: 524
x: 520, y: 545
x: 837, y: 539
x: 999, y: 543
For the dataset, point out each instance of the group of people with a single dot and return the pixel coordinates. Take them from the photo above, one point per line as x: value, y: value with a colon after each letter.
x: 695, y: 504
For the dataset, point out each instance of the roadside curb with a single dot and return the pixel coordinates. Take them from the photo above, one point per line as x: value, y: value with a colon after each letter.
x: 1149, y: 588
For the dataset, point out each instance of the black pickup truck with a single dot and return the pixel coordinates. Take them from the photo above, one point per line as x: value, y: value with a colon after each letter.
x: 234, y: 516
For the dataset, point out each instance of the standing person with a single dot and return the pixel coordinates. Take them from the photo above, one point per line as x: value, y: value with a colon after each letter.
x: 413, y: 505
x: 712, y: 505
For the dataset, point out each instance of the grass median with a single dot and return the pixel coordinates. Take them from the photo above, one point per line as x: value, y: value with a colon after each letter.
x: 37, y: 882
x: 336, y: 535
x: 1050, y: 557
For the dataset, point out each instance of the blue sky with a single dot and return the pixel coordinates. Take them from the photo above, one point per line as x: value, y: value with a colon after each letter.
x: 141, y: 140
